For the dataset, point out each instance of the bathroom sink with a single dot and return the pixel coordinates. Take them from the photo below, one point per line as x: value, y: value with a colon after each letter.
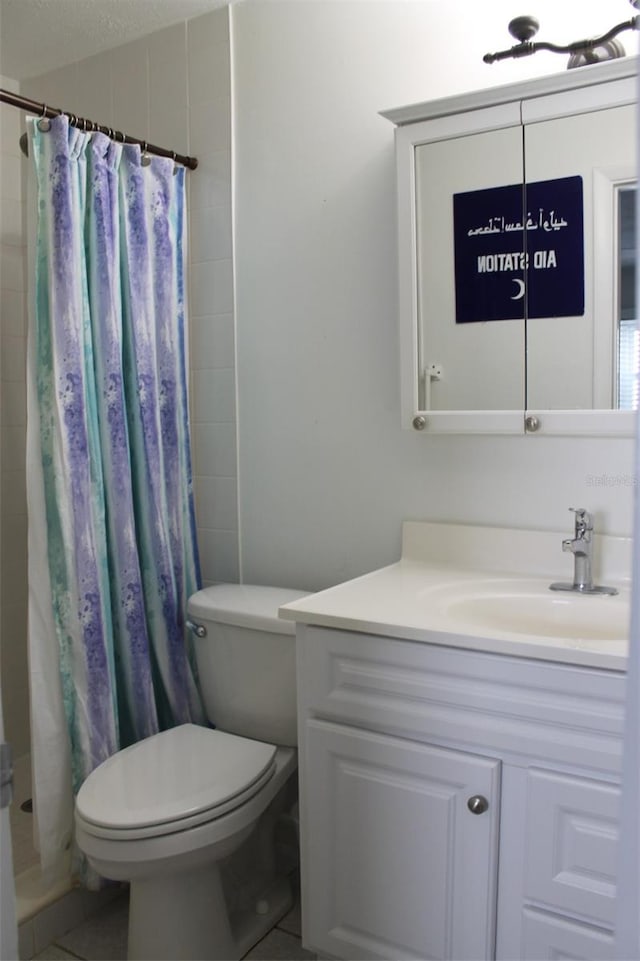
x: 528, y: 608
x: 486, y: 589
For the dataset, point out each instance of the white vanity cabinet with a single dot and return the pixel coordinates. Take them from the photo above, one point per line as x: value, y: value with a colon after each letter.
x: 455, y: 804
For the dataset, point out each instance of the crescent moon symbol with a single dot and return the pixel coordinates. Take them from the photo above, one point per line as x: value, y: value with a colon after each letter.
x: 520, y: 293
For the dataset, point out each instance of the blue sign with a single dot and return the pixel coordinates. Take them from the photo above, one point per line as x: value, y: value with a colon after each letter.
x: 519, y: 251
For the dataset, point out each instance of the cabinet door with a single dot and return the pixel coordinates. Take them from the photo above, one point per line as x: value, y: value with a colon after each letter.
x: 572, y: 835
x: 471, y: 335
x: 395, y: 865
x: 571, y: 361
x: 549, y: 937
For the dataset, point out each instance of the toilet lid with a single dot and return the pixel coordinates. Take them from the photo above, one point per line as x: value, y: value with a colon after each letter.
x: 185, y: 771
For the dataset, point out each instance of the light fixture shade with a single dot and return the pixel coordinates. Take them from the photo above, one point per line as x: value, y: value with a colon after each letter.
x: 608, y: 50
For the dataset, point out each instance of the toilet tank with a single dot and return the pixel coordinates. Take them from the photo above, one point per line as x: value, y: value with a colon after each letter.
x: 247, y: 660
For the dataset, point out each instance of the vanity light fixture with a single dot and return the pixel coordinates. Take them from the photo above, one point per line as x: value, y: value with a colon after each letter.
x: 581, y: 52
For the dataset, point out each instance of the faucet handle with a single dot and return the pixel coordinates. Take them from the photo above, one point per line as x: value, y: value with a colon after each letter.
x: 584, y: 520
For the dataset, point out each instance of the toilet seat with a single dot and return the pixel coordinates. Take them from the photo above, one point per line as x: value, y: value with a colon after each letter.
x: 173, y: 781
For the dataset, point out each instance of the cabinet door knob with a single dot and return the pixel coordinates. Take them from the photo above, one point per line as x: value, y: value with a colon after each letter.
x: 477, y: 804
x: 531, y: 424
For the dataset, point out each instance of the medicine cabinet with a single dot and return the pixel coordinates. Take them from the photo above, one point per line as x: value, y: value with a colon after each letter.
x: 516, y: 240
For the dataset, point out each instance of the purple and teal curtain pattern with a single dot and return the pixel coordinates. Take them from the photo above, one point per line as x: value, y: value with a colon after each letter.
x: 108, y: 358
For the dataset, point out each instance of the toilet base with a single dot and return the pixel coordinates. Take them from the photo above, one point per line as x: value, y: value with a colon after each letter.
x: 216, y: 909
x: 271, y: 907
x: 179, y: 916
x: 184, y: 918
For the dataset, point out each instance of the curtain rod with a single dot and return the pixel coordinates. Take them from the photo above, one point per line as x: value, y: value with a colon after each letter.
x: 33, y: 106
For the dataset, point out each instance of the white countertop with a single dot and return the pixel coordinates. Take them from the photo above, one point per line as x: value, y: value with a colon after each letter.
x: 403, y: 600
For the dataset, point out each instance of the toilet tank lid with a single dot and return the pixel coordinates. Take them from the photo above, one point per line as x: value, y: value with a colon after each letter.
x: 245, y: 605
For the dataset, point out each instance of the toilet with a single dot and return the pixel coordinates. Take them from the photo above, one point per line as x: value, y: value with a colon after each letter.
x: 188, y: 816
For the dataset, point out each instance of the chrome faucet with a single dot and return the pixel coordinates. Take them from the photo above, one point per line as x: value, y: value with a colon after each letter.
x: 581, y: 546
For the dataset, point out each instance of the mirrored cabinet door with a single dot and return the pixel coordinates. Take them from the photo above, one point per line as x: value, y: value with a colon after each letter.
x: 576, y: 167
x: 471, y: 346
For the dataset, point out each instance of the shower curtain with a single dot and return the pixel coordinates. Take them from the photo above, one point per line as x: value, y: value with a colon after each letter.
x: 112, y: 549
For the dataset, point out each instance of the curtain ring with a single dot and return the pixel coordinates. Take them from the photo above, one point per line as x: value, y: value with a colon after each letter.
x: 44, y: 123
x: 145, y: 159
x: 175, y: 162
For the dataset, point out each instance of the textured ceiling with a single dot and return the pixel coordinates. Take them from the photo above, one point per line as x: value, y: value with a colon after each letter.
x: 40, y: 35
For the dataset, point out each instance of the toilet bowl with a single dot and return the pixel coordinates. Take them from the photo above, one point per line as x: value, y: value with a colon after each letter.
x: 173, y: 813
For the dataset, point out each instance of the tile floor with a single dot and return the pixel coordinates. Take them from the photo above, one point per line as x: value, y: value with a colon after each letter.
x: 103, y: 937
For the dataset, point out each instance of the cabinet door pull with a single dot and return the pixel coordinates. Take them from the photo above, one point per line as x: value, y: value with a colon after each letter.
x: 477, y: 804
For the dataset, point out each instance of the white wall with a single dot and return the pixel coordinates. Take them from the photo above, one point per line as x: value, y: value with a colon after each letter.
x: 326, y: 473
x: 13, y: 508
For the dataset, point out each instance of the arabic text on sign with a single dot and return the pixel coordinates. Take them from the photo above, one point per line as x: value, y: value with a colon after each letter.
x: 498, y: 225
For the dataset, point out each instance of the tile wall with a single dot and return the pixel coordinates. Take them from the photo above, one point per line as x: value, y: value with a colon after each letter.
x: 212, y: 295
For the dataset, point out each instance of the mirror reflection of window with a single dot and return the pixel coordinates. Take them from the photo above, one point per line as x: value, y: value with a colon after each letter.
x: 628, y: 334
